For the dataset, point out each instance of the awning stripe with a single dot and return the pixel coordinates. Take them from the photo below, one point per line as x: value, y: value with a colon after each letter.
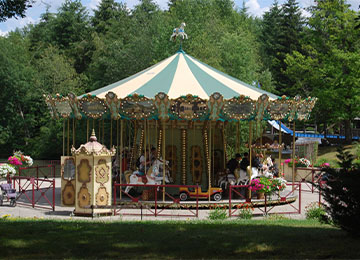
x: 210, y: 84
x: 185, y: 82
x: 161, y: 82
x: 238, y: 86
x: 129, y: 85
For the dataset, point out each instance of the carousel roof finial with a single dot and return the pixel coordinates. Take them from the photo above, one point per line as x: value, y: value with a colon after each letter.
x: 180, y: 31
x: 93, y: 136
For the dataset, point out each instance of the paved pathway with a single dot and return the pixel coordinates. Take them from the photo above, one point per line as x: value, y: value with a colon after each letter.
x: 66, y: 212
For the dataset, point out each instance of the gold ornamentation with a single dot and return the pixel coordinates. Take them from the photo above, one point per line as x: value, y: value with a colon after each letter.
x: 102, y: 172
x: 189, y: 107
x: 162, y: 105
x: 92, y: 106
x: 215, y: 105
x: 239, y: 108
x: 102, y: 197
x: 113, y: 104
x: 137, y: 106
x: 84, y: 197
x: 183, y: 155
x: 68, y: 194
x: 84, y: 171
x: 196, y: 164
x: 74, y: 104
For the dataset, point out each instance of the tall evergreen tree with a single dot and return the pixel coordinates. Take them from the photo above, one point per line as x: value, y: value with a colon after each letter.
x: 329, y: 66
x: 281, y: 34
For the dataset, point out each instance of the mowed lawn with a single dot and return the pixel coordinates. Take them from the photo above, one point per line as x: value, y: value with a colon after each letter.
x: 174, y: 240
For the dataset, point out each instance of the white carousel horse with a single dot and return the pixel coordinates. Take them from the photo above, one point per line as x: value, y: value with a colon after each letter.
x: 179, y: 32
x: 239, y: 177
x: 154, y: 175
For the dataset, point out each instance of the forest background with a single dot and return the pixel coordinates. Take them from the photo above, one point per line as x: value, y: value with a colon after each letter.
x: 72, y: 51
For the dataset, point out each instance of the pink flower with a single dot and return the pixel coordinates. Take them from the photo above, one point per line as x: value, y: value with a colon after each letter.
x: 287, y: 160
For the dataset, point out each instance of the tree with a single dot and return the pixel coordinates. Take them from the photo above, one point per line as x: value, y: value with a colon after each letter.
x: 328, y: 68
x: 281, y: 35
x: 13, y: 8
x: 342, y: 194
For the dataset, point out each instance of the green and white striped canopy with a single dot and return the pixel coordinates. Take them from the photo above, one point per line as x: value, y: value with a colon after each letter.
x: 180, y: 75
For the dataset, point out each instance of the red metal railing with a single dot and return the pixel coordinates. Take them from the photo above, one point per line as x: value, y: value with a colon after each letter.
x: 45, y: 171
x: 269, y: 203
x: 315, y: 177
x: 39, y: 189
x: 158, y: 206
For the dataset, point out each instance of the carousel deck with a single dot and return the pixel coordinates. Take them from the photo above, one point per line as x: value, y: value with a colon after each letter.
x: 204, y: 204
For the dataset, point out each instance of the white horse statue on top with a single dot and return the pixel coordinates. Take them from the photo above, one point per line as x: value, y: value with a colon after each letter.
x: 153, y: 176
x: 179, y: 32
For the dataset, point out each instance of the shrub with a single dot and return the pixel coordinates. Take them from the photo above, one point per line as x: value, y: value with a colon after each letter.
x: 245, y: 211
x: 316, y: 211
x: 342, y: 193
x: 218, y: 213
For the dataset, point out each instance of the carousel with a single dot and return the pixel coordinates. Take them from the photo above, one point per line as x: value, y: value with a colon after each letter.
x: 178, y: 111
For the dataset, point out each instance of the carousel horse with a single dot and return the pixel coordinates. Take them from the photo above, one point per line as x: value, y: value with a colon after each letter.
x: 239, y: 177
x: 179, y: 32
x: 153, y: 176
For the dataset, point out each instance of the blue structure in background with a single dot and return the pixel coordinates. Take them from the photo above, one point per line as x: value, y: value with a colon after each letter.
x: 287, y: 130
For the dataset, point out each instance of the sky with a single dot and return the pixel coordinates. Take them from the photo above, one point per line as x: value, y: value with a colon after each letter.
x: 255, y: 8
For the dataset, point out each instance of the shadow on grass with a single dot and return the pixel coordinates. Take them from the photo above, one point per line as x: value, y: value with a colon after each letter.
x: 195, y: 239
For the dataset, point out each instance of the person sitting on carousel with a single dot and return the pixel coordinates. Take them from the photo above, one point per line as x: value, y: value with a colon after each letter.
x: 233, y: 164
x: 142, y: 164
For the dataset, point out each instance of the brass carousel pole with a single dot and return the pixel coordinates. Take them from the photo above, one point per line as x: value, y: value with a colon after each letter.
x: 293, y: 156
x: 224, y: 143
x: 163, y: 157
x: 280, y: 148
x: 103, y: 132
x: 73, y: 132
x: 121, y: 152
x: 237, y: 138
x: 183, y: 156
x: 145, y: 143
x: 68, y: 136
x: 209, y: 163
x: 87, y: 130
x: 111, y: 128
x: 250, y: 155
x: 63, y: 136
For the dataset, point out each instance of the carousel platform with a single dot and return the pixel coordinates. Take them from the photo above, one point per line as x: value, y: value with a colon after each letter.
x: 204, y: 203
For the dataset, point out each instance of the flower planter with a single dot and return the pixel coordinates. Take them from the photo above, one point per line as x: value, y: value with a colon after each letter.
x: 260, y: 195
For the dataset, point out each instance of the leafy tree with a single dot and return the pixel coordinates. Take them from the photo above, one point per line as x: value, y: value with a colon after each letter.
x: 281, y: 34
x: 328, y: 68
x: 16, y: 82
x: 13, y: 8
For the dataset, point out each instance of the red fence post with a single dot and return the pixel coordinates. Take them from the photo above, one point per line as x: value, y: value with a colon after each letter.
x: 114, y: 202
x: 37, y: 177
x: 33, y: 192
x: 156, y: 188
x: 230, y: 191
x: 299, y: 197
x: 53, y: 194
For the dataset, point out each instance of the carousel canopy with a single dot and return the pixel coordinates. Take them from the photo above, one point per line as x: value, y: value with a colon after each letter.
x: 180, y: 88
x: 180, y: 75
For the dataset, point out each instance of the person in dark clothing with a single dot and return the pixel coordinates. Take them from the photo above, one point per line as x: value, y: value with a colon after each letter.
x: 245, y: 162
x: 274, y: 169
x: 233, y: 163
x: 256, y: 162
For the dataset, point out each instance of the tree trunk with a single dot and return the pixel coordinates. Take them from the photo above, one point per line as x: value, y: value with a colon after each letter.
x: 348, y: 131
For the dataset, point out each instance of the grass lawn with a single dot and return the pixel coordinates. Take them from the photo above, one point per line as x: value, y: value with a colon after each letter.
x: 329, y: 152
x: 177, y: 239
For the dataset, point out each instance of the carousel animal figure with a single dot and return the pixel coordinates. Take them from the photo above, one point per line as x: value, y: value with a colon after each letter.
x: 154, y: 175
x: 179, y: 32
x: 240, y: 177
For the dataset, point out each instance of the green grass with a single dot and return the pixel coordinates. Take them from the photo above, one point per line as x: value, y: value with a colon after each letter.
x: 328, y: 153
x: 178, y: 239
